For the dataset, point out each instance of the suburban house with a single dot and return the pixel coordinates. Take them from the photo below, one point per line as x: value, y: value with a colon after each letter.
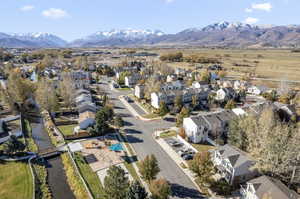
x: 171, y: 78
x: 200, y: 84
x: 234, y: 165
x: 139, y: 91
x: 132, y: 80
x: 175, y: 85
x: 168, y: 96
x: 256, y: 90
x: 82, y: 79
x: 4, y: 132
x: 225, y: 94
x: 208, y: 127
x: 86, y: 110
x: 240, y: 85
x: 86, y: 120
x: 266, y: 187
x: 285, y: 111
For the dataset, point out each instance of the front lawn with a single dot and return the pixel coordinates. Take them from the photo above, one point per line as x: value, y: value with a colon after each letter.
x: 151, y: 116
x: 203, y: 147
x: 89, y: 176
x: 67, y: 129
x: 15, y: 180
x: 124, y: 89
x: 168, y: 134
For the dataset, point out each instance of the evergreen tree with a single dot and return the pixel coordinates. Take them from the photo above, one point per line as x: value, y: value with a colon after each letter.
x: 163, y: 109
x: 115, y: 183
x: 136, y: 191
x: 149, y: 168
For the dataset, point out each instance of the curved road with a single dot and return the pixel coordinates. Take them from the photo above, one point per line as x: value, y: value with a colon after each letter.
x: 139, y: 134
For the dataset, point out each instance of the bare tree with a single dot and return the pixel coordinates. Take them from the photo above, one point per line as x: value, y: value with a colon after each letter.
x: 46, y: 95
x: 67, y: 90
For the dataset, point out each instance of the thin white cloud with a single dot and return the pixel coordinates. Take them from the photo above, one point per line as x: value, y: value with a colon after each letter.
x: 27, y: 8
x: 55, y: 13
x: 169, y: 1
x: 248, y: 10
x: 262, y: 6
x: 251, y: 20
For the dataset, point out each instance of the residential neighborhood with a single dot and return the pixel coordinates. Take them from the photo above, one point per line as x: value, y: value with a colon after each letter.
x: 118, y: 116
x: 150, y: 99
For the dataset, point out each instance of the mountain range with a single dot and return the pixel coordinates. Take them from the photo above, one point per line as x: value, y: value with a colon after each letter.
x: 222, y: 34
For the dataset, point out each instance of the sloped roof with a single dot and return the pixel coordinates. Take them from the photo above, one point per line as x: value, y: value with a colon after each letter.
x: 239, y: 160
x: 267, y: 186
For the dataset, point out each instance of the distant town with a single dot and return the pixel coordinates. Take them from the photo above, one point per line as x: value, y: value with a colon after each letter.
x: 149, y: 123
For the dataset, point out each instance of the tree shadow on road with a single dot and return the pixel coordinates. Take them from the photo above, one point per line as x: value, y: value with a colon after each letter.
x: 185, y: 192
x: 124, y: 115
x: 118, y: 107
x: 132, y: 131
x: 127, y: 123
x: 133, y: 139
x: 170, y: 119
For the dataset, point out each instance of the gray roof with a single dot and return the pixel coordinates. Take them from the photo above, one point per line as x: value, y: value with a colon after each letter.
x: 200, y: 121
x: 267, y: 186
x: 87, y: 107
x: 89, y: 122
x: 239, y: 160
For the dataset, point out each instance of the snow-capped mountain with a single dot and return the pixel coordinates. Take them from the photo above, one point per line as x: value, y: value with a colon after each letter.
x: 224, y: 25
x: 46, y: 38
x: 31, y: 40
x: 217, y: 34
x: 118, y: 37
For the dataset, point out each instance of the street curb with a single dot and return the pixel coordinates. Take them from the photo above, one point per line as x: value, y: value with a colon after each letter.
x: 134, y: 164
x: 183, y: 170
x: 133, y: 111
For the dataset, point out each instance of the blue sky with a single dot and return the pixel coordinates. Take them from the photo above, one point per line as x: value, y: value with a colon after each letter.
x: 72, y: 19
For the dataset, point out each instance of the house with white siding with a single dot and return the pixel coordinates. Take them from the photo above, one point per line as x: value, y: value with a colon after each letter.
x: 234, y: 165
x: 266, y: 187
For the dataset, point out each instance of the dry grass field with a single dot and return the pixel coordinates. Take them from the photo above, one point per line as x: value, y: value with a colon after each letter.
x: 265, y: 63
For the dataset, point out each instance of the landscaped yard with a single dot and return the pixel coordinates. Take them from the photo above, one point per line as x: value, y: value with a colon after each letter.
x: 168, y: 134
x: 203, y: 147
x: 67, y: 129
x: 15, y: 180
x: 90, y: 177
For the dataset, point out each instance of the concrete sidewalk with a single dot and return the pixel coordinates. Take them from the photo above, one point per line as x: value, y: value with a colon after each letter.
x: 178, y: 160
x: 134, y: 112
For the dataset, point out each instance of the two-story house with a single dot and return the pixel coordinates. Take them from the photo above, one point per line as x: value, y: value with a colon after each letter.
x: 139, y: 91
x: 234, y: 165
x: 225, y: 94
x: 132, y: 80
x: 208, y: 126
x: 265, y: 187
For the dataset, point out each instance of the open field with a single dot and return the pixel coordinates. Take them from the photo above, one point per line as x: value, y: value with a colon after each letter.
x: 266, y: 63
x: 15, y: 184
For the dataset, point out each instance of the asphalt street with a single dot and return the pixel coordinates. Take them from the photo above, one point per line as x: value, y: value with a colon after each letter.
x: 139, y: 134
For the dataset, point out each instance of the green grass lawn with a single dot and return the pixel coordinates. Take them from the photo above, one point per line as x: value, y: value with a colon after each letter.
x: 90, y: 177
x: 203, y: 147
x: 131, y: 170
x: 15, y: 180
x: 151, y: 116
x: 124, y: 89
x: 168, y: 134
x: 67, y: 129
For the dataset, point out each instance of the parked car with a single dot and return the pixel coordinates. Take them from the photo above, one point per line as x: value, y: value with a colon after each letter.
x: 176, y: 144
x: 188, y: 157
